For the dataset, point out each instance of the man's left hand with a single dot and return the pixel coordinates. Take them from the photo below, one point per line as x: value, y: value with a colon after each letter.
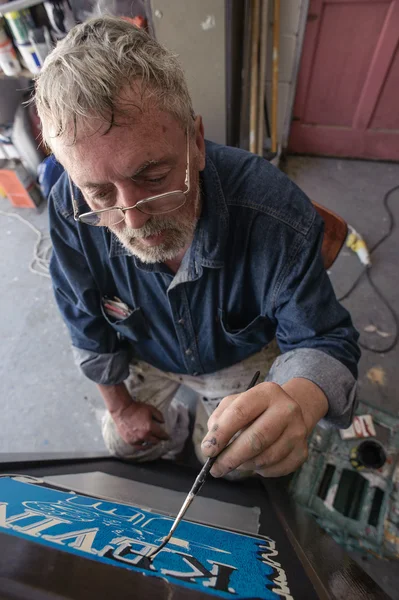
x: 273, y: 423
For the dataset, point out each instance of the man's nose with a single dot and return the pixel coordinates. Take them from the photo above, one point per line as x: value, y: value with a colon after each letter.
x: 128, y: 197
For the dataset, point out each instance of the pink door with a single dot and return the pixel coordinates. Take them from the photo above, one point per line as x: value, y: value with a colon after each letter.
x: 347, y: 101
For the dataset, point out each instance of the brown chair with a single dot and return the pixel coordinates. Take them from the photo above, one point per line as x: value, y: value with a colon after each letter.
x: 335, y: 232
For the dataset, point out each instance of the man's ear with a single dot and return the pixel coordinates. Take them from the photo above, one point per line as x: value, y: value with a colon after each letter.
x: 200, y: 142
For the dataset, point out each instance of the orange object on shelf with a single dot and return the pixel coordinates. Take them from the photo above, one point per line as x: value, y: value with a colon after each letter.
x: 139, y: 21
x: 19, y: 188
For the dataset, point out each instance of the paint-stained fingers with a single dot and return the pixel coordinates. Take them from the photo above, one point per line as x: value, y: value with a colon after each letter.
x: 252, y: 442
x: 288, y: 465
x: 282, y: 419
x: 237, y: 414
x: 223, y: 404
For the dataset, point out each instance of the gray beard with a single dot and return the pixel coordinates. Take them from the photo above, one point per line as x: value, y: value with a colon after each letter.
x: 178, y: 235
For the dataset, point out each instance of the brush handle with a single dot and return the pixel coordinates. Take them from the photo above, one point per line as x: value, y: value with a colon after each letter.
x: 199, y: 482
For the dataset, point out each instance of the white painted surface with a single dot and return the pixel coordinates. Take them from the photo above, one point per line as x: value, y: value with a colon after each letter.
x: 196, y: 32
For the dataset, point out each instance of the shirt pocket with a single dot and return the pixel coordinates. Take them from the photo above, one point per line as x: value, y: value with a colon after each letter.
x: 253, y: 334
x: 134, y: 327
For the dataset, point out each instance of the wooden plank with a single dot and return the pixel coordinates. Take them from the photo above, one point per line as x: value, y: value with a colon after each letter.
x: 386, y: 115
x: 308, y: 52
x: 253, y: 111
x: 379, y: 68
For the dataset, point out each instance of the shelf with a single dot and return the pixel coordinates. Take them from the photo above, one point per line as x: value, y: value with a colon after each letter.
x: 18, y: 5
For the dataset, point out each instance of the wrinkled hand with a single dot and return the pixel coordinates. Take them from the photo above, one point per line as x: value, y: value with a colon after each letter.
x: 273, y: 440
x: 138, y: 423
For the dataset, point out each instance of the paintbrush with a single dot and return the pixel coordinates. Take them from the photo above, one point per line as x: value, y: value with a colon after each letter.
x: 198, y: 483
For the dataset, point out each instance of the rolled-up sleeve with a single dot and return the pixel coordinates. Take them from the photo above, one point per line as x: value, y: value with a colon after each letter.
x: 314, y: 331
x: 106, y: 369
x: 97, y: 350
x: 332, y: 377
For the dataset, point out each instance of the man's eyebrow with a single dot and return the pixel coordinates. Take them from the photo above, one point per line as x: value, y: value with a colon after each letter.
x: 146, y: 165
x: 143, y: 167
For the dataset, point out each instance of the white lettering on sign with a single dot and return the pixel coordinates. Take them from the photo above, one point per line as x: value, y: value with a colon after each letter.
x: 82, y: 540
x: 280, y: 584
x: 34, y: 529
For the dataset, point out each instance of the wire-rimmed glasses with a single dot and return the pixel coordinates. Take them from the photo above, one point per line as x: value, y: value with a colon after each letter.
x: 154, y: 205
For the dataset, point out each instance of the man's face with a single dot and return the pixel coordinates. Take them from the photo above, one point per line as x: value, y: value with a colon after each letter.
x: 131, y: 163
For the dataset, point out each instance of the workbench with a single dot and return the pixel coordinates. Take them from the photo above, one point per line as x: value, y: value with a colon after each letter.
x: 315, y: 566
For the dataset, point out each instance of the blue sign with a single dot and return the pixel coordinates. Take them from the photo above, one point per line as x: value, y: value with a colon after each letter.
x: 215, y: 561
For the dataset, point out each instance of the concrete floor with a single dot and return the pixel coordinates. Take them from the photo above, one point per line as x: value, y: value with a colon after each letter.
x: 48, y: 406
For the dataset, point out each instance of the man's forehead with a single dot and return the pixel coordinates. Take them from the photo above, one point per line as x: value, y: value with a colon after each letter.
x: 96, y: 155
x: 151, y: 126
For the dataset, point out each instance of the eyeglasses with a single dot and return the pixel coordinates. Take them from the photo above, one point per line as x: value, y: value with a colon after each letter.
x: 154, y: 205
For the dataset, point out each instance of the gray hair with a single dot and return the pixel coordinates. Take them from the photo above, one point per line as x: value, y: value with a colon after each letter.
x: 86, y: 72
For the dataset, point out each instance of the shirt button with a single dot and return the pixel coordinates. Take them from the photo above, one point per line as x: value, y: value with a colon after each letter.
x: 188, y: 351
x: 181, y: 321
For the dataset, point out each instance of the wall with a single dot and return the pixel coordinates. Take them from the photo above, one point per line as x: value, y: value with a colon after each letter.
x: 196, y: 31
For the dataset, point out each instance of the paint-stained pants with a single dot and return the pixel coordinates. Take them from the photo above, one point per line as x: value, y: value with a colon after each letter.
x: 158, y: 388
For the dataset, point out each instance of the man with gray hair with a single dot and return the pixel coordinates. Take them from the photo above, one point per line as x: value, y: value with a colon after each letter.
x: 178, y: 261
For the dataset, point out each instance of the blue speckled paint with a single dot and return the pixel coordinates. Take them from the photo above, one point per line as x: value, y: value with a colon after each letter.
x: 215, y: 561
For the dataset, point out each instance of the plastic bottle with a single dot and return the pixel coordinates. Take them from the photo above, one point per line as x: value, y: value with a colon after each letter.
x: 20, y: 23
x: 9, y: 62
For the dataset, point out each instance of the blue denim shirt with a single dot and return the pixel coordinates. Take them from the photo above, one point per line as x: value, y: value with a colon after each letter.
x: 253, y: 272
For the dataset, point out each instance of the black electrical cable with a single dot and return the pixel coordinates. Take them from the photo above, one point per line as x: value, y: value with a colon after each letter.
x: 367, y: 270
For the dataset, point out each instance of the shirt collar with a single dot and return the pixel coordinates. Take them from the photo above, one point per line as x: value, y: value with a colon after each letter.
x: 208, y: 245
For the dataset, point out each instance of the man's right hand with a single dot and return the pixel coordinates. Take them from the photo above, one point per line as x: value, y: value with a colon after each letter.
x: 138, y: 423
